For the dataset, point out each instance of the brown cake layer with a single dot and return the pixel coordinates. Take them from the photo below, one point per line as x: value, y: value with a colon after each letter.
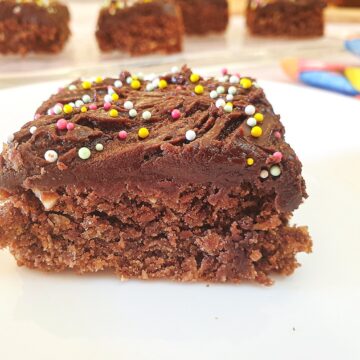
x: 303, y: 18
x: 140, y: 27
x: 184, y: 233
x: 31, y: 26
x: 346, y: 3
x: 204, y: 16
x: 204, y: 193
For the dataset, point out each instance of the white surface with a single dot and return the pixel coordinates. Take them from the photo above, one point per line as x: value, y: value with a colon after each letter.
x: 313, y: 314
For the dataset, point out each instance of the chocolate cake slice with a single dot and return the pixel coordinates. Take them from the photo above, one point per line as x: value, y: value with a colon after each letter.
x: 204, y: 16
x: 140, y: 27
x: 178, y: 177
x: 345, y: 3
x: 286, y: 18
x: 37, y: 26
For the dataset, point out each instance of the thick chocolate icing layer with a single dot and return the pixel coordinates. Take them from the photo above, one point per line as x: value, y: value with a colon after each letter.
x: 218, y: 155
x: 52, y: 13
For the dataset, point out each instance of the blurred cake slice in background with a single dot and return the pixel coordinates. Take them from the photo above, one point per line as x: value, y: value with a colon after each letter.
x: 33, y: 26
x: 140, y: 27
x: 285, y: 18
x: 204, y: 16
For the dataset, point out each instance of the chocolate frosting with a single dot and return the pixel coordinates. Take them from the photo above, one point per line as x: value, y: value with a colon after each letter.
x: 49, y: 13
x: 263, y: 3
x: 219, y: 154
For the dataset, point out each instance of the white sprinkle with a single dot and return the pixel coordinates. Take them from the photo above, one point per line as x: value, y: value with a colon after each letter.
x: 118, y: 84
x: 149, y: 87
x: 17, y: 10
x: 275, y: 170
x: 49, y: 112
x: 146, y: 115
x: 220, y: 103
x: 250, y: 110
x: 229, y: 97
x: 132, y: 113
x: 228, y: 107
x: 251, y: 122
x: 234, y: 79
x: 220, y: 89
x: 79, y: 103
x: 232, y: 90
x: 190, y: 135
x: 128, y: 105
x: 10, y: 138
x: 155, y: 83
x: 174, y: 69
x: 140, y: 75
x: 72, y: 87
x: 264, y: 174
x: 72, y: 104
x: 129, y: 80
x: 33, y: 129
x: 224, y: 78
x: 150, y: 77
x: 214, y: 94
x: 99, y: 147
x: 108, y: 98
x: 57, y: 109
x: 51, y: 156
x: 86, y: 98
x: 111, y: 90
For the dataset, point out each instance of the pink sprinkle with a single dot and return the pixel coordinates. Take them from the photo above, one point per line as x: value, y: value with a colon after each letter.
x: 36, y: 116
x: 277, y: 156
x: 61, y: 124
x: 224, y: 71
x: 107, y: 106
x: 52, y: 112
x: 60, y: 104
x: 122, y: 135
x: 92, y: 107
x: 70, y: 126
x: 179, y: 87
x: 277, y: 134
x: 238, y: 75
x: 175, y: 114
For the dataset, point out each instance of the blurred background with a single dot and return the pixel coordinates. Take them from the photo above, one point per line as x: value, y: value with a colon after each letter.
x: 235, y: 49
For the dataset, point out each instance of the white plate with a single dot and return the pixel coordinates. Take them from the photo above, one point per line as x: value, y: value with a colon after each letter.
x: 313, y: 314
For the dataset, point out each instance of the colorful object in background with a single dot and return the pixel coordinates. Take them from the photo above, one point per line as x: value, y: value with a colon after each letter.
x: 353, y: 45
x: 341, y: 78
x: 353, y: 75
x: 329, y: 81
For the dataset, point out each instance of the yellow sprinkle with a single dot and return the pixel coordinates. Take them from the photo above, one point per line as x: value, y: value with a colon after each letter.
x: 199, y: 89
x: 194, y: 78
x: 143, y: 133
x: 86, y: 85
x: 115, y: 96
x: 113, y: 113
x: 68, y: 109
x: 250, y: 161
x: 246, y: 83
x: 99, y: 80
x: 256, y: 131
x: 135, y: 84
x: 259, y: 117
x: 163, y: 84
x: 83, y: 109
